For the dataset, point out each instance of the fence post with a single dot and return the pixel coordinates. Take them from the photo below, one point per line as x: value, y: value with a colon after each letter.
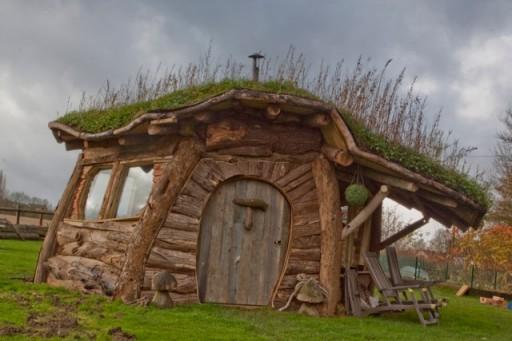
x: 18, y: 214
x: 446, y: 272
x: 416, y: 268
x: 41, y: 219
x: 472, y: 275
x: 495, y: 279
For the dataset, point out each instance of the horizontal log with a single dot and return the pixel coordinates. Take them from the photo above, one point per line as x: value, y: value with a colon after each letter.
x: 186, y: 283
x: 162, y: 130
x: 175, y: 261
x: 262, y: 151
x: 170, y: 119
x: 104, y: 252
x: 116, y: 226
x: 95, y: 275
x: 310, y: 229
x: 312, y: 254
x: 181, y: 222
x: 305, y: 242
x: 299, y: 266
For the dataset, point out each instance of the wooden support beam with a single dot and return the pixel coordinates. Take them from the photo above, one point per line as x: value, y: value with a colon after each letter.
x: 338, y: 156
x: 162, y: 197
x: 330, y: 223
x: 317, y: 120
x: 376, y: 234
x: 366, y: 212
x: 75, y: 144
x: 132, y: 140
x: 171, y: 119
x: 162, y: 129
x: 402, y: 233
x: 438, y: 199
x: 272, y: 111
x: 49, y: 244
x: 390, y: 180
x: 205, y: 117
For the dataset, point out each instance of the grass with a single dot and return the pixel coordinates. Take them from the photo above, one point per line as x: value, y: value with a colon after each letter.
x: 94, y: 121
x: 35, y: 311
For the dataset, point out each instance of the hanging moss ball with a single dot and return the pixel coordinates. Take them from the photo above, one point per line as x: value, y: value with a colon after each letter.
x: 356, y: 195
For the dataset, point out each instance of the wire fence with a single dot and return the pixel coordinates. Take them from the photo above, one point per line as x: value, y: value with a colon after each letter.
x: 451, y: 270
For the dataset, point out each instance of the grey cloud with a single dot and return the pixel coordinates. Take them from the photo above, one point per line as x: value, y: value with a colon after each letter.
x: 52, y: 50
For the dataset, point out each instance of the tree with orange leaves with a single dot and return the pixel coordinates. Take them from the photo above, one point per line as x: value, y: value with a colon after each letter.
x: 488, y: 248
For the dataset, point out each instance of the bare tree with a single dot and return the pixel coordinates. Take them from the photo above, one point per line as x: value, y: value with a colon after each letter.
x: 392, y: 223
x: 501, y: 212
x: 3, y: 188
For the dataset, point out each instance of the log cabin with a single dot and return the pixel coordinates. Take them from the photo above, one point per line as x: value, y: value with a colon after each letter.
x: 235, y: 190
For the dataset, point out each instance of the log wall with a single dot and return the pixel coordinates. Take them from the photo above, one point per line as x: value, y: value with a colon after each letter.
x: 89, y: 255
x: 175, y: 248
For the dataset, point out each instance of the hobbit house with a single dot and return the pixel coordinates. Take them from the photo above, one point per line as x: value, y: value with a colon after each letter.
x: 233, y: 193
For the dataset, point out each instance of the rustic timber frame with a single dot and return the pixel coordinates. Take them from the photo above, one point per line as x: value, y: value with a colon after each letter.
x: 297, y: 148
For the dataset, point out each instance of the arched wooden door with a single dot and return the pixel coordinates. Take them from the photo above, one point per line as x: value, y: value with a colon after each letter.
x: 242, y: 243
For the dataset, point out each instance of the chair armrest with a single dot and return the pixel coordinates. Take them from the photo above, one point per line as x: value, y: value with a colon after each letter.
x: 405, y: 287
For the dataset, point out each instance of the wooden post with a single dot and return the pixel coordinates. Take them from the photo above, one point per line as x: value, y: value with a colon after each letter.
x: 18, y: 214
x: 162, y: 198
x: 41, y: 219
x: 330, y: 222
x: 376, y: 234
x: 49, y: 244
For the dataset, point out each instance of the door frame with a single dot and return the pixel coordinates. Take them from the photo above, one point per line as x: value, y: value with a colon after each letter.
x: 285, y: 256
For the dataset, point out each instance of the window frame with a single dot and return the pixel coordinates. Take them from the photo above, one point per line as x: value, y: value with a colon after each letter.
x: 82, y: 200
x: 112, y: 196
x: 116, y: 195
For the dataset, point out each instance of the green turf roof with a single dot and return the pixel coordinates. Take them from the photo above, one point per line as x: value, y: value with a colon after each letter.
x: 95, y: 121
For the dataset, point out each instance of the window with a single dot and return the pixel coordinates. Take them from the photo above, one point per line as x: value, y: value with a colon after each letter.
x: 96, y: 193
x: 136, y: 188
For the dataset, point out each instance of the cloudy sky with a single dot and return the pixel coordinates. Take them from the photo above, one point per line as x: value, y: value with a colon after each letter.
x: 53, y: 50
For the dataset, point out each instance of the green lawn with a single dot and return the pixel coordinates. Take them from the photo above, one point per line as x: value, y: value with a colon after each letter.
x: 30, y: 311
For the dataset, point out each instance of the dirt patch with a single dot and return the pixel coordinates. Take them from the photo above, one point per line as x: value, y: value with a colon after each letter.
x: 119, y: 335
x: 52, y: 324
x: 11, y: 330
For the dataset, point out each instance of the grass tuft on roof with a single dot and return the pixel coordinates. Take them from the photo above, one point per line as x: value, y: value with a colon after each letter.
x: 95, y: 121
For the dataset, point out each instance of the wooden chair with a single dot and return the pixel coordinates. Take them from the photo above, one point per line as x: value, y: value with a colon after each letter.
x: 401, y: 297
x: 397, y: 279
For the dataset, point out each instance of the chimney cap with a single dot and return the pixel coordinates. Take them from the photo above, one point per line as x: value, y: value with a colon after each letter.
x: 256, y: 55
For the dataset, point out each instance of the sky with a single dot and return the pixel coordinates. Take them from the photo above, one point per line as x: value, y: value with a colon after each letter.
x: 52, y: 51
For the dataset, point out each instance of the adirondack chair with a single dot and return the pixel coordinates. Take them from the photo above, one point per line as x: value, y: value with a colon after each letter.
x: 402, y: 297
x: 357, y: 300
x: 397, y: 279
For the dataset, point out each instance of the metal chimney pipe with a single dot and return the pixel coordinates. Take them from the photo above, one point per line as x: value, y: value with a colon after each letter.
x: 255, y: 65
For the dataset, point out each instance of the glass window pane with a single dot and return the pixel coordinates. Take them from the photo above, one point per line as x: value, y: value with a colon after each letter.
x: 136, y: 189
x: 96, y: 193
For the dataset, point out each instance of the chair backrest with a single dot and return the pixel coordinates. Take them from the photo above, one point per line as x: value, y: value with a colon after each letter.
x: 378, y: 275
x: 394, y: 266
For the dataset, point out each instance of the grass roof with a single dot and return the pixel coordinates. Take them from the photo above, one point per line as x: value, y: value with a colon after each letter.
x: 95, y: 121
